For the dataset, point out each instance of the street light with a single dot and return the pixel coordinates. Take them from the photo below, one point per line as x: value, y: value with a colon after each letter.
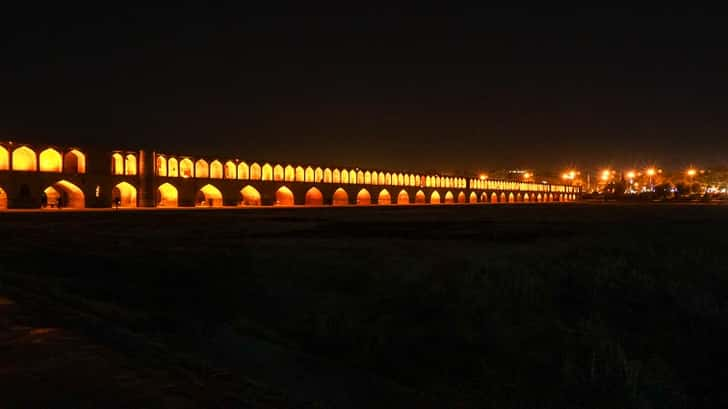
x: 651, y: 173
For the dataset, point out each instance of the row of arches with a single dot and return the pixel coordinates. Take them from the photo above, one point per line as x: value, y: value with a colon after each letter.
x: 25, y: 159
x: 186, y: 168
x: 210, y: 196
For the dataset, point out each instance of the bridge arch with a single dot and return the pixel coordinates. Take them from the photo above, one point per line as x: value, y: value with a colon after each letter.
x: 384, y: 198
x: 70, y: 195
x: 461, y: 198
x: 494, y: 198
x: 284, y: 197
x: 314, y: 197
x: 166, y: 195
x: 3, y: 199
x: 249, y: 196
x: 24, y: 159
x: 420, y: 197
x: 473, y: 197
x: 126, y: 193
x: 435, y: 197
x: 403, y: 197
x: 340, y: 198
x: 50, y: 161
x: 511, y: 198
x: 363, y: 198
x: 208, y: 196
x: 449, y: 198
x: 526, y: 197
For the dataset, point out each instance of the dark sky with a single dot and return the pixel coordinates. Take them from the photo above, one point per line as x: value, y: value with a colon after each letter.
x: 455, y: 89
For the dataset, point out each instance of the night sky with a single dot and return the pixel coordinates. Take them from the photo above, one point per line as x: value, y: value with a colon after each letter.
x: 455, y: 90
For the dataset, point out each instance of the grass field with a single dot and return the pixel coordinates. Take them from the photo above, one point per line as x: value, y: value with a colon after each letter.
x: 523, y: 306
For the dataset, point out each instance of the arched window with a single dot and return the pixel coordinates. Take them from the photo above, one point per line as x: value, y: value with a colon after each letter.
x: 352, y: 176
x: 309, y: 177
x: 278, y: 173
x: 172, y: 167
x: 336, y: 176
x: 243, y: 171
x: 289, y: 174
x: 24, y: 159
x: 130, y: 165
x: 318, y: 175
x: 161, y: 166
x: 50, y: 161
x: 359, y: 177
x: 368, y: 177
x: 300, y: 174
x: 344, y: 176
x: 4, y: 159
x: 388, y: 178
x: 216, y: 170
x: 202, y: 169
x: 327, y: 176
x: 230, y: 170
x: 186, y: 168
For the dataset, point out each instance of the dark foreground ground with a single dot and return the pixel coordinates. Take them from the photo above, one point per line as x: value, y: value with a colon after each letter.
x: 528, y: 306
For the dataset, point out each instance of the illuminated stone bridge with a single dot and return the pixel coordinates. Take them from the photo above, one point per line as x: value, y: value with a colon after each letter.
x: 48, y: 176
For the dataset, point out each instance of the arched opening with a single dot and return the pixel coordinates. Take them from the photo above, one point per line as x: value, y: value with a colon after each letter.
x: 420, y: 197
x: 494, y: 198
x: 344, y: 176
x: 387, y: 178
x: 243, y: 171
x: 382, y: 178
x: 172, y: 167
x: 3, y: 199
x: 284, y: 197
x: 327, y: 176
x: 502, y: 198
x: 551, y: 197
x: 368, y: 177
x: 403, y: 197
x: 256, y: 172
x: 314, y: 197
x: 202, y: 169
x: 215, y: 170
x: 363, y: 198
x: 336, y: 176
x: 511, y: 198
x: 400, y: 179
x: 208, y: 196
x: 435, y: 197
x: 230, y: 170
x: 267, y: 172
x: 278, y: 173
x: 352, y: 176
x: 449, y: 198
x: 249, y: 196
x: 130, y: 165
x: 186, y: 168
x: 340, y: 198
x: 473, y: 197
x: 50, y: 161
x: 4, y: 159
x: 539, y: 198
x: 461, y: 197
x: 384, y: 198
x: 161, y: 166
x: 125, y: 195
x: 309, y: 176
x: 289, y: 174
x: 167, y: 195
x: 64, y: 194
x: 519, y: 198
x: 318, y: 175
x: 301, y: 174
x: 526, y: 198
x: 24, y: 159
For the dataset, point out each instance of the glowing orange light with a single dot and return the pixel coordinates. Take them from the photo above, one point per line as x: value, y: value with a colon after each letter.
x: 651, y: 172
x: 631, y: 174
x: 483, y: 176
x: 692, y: 172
